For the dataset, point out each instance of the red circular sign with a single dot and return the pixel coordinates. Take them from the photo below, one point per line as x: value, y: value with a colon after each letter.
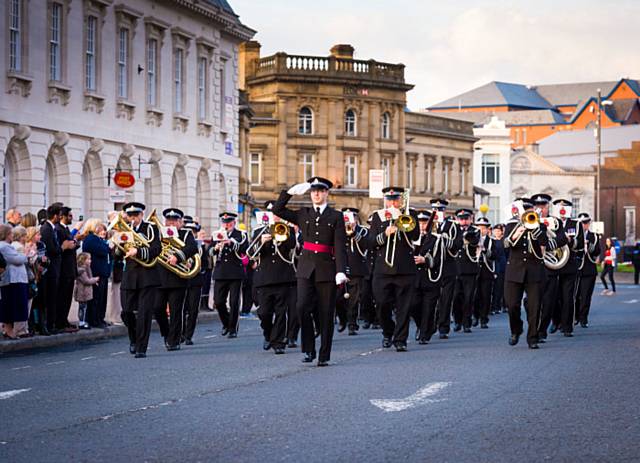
x: 124, y: 179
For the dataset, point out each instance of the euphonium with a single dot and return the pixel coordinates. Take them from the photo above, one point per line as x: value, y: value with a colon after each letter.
x: 170, y: 244
x: 556, y: 259
x: 127, y: 238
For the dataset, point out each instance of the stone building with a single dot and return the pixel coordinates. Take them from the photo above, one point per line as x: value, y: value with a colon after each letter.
x: 96, y: 86
x: 340, y: 117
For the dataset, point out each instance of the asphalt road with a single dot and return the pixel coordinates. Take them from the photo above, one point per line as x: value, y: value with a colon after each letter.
x: 470, y: 398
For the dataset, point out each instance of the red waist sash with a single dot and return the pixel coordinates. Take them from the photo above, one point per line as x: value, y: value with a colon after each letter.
x: 318, y: 247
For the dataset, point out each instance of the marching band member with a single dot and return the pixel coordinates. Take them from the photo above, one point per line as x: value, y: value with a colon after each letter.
x: 367, y: 304
x: 487, y: 274
x: 293, y: 317
x: 194, y: 287
x: 467, y: 260
x: 349, y: 294
x: 497, y: 296
x: 274, y: 276
x: 229, y: 247
x: 428, y: 280
x: 525, y: 273
x: 451, y: 242
x: 568, y: 273
x: 587, y: 270
x: 416, y: 302
x: 394, y: 269
x: 139, y: 282
x: 322, y: 264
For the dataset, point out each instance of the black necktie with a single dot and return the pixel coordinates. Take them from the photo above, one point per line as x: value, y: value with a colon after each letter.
x: 318, y: 211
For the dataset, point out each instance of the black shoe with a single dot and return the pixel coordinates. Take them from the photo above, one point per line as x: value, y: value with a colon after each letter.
x: 292, y: 344
x: 443, y: 336
x: 308, y: 357
x: 323, y: 363
x: 166, y: 344
x: 342, y: 327
x: 513, y: 340
x: 553, y: 328
x: 278, y: 350
x: 140, y: 355
x: 132, y: 349
x: 232, y: 334
x: 417, y: 334
x: 484, y: 326
x: 423, y: 341
x: 457, y: 327
x: 541, y: 340
x: 568, y: 334
x: 584, y: 325
x: 266, y: 345
x: 386, y: 342
x: 476, y: 322
x: 172, y: 348
x: 534, y: 345
x: 224, y: 332
x: 352, y: 332
x: 401, y: 347
x: 467, y: 329
x: 366, y: 325
x: 188, y: 342
x: 375, y: 326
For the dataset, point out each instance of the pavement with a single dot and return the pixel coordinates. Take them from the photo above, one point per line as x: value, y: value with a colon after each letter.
x: 470, y: 398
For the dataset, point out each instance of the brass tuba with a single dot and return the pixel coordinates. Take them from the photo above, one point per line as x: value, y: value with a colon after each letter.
x: 170, y: 245
x: 556, y: 259
x: 126, y: 238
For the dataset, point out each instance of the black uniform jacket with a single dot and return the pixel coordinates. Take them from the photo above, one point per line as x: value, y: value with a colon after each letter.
x: 272, y: 268
x: 328, y: 230
x: 356, y: 248
x: 403, y: 263
x: 576, y: 243
x: 467, y: 259
x: 522, y: 265
x: 68, y: 266
x: 169, y: 279
x: 431, y: 248
x: 588, y: 259
x: 487, y: 258
x: 451, y: 238
x: 228, y: 264
x: 135, y: 276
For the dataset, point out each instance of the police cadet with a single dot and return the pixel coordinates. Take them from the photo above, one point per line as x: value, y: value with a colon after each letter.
x: 451, y: 243
x: 273, y: 250
x: 524, y: 273
x: 427, y: 284
x: 394, y: 270
x: 194, y: 287
x: 139, y: 282
x: 468, y: 268
x: 569, y: 272
x: 228, y: 247
x: 349, y: 294
x: 587, y: 271
x: 322, y: 264
x: 487, y: 275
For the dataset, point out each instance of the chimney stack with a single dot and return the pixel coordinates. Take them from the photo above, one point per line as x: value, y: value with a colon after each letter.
x: 344, y: 51
x: 248, y: 56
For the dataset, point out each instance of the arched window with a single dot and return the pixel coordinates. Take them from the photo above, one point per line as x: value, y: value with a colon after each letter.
x: 179, y: 188
x: 385, y: 127
x: 305, y: 121
x: 350, y: 123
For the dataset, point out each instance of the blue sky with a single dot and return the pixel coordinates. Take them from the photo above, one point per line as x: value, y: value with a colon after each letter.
x: 453, y: 46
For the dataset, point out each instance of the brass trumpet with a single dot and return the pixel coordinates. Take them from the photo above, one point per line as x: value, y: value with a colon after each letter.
x: 405, y: 223
x: 279, y: 232
x: 126, y: 239
x: 530, y: 220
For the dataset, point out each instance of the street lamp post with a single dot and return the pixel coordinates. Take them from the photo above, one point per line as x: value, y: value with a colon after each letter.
x: 599, y: 151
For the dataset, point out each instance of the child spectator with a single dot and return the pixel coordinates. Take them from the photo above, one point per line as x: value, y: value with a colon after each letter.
x: 84, y: 288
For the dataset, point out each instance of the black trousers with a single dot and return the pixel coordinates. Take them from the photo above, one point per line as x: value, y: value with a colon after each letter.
x: 483, y: 298
x: 608, y: 270
x: 137, y: 313
x: 51, y: 298
x: 586, y: 284
x: 367, y: 305
x: 429, y: 301
x: 321, y: 297
x: 567, y: 288
x: 190, y: 311
x: 394, y: 292
x: 463, y: 299
x: 497, y: 293
x: 549, y: 303
x: 273, y: 313
x: 175, y: 298
x: 444, y: 304
x: 347, y: 309
x: 65, y: 297
x: 636, y: 273
x: 513, y: 292
x: 293, y: 317
x: 223, y: 289
x: 247, y: 294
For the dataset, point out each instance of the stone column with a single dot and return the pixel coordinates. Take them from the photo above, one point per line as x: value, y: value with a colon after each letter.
x: 373, y: 131
x: 401, y: 179
x: 332, y: 163
x: 281, y: 150
x: 420, y: 174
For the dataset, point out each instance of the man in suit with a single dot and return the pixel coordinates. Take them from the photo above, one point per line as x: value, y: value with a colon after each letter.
x: 487, y: 274
x: 587, y: 270
x: 229, y: 249
x: 173, y: 288
x: 139, y: 282
x: 50, y: 238
x: 273, y: 278
x: 322, y: 264
x: 525, y: 273
x: 468, y: 268
x: 68, y: 268
x: 394, y: 269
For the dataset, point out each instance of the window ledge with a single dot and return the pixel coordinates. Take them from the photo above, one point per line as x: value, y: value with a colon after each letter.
x: 93, y: 102
x: 19, y: 83
x: 58, y: 93
x: 204, y: 128
x: 154, y: 116
x: 180, y: 122
x: 125, y: 109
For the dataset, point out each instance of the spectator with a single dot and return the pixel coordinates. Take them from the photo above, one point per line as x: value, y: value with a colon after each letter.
x: 96, y: 244
x: 52, y: 276
x: 635, y: 260
x: 29, y: 220
x: 13, y: 217
x: 68, y: 269
x: 42, y: 216
x: 13, y: 285
x: 84, y: 289
x: 18, y: 243
x: 609, y: 264
x: 36, y: 252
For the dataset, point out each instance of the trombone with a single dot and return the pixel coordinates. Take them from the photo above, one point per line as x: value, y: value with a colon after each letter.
x: 405, y: 223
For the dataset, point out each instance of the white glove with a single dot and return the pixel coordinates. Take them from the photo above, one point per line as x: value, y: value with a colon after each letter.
x: 341, y: 278
x: 299, y: 189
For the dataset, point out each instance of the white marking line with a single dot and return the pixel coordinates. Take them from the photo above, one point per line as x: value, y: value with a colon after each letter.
x: 364, y: 354
x: 211, y: 336
x: 59, y: 362
x: 8, y: 394
x: 632, y: 301
x: 421, y: 397
x: 87, y: 358
x: 22, y: 368
x: 118, y: 353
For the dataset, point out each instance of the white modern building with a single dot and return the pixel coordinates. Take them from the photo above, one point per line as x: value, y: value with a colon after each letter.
x: 96, y: 86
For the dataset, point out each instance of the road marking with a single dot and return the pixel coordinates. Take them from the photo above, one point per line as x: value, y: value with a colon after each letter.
x: 8, y: 394
x: 632, y: 301
x: 59, y: 362
x: 211, y: 336
x: 22, y: 368
x: 421, y: 397
x: 88, y: 358
x: 118, y: 353
x: 364, y: 354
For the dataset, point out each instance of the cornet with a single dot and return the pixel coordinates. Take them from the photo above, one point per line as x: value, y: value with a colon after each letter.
x: 405, y: 223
